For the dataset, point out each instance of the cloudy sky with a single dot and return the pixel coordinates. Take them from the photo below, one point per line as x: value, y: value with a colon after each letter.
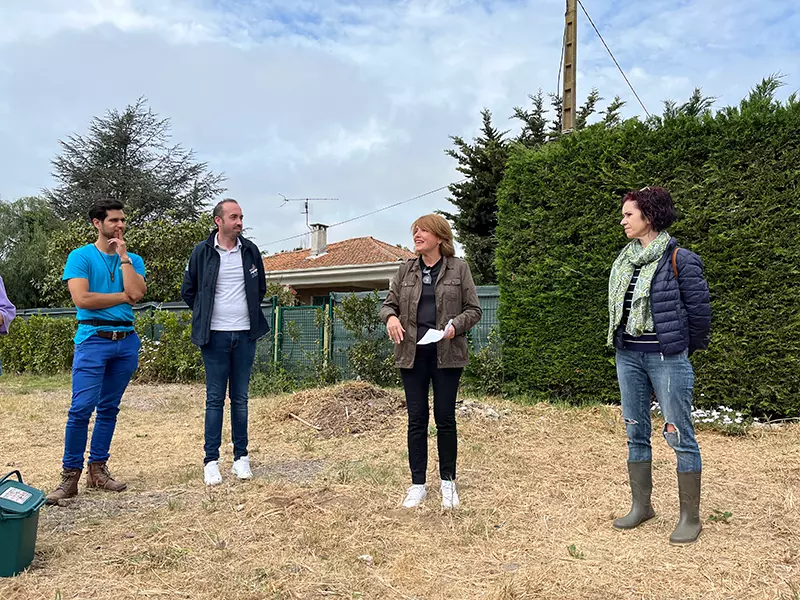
x: 352, y: 99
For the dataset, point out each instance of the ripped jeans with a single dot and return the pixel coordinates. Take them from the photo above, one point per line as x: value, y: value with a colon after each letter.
x: 672, y: 379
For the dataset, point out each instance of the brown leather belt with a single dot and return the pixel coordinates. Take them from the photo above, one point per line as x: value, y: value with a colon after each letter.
x: 114, y: 335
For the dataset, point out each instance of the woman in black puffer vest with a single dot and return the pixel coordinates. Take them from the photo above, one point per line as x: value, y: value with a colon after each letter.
x: 660, y: 314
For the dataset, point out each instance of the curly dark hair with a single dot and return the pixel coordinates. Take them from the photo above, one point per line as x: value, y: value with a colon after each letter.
x: 656, y: 206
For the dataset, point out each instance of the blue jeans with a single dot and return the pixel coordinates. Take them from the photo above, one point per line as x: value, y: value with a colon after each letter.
x: 228, y: 358
x: 672, y: 379
x: 101, y: 370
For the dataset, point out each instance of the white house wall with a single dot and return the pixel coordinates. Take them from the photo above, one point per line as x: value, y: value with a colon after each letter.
x: 365, y: 275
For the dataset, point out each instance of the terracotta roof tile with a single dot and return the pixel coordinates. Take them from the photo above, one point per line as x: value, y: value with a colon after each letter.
x: 355, y: 251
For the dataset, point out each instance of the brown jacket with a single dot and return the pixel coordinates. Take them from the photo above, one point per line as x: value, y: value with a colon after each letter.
x: 456, y: 298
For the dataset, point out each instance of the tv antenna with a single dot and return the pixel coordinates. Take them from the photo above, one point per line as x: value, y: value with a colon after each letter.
x: 305, y: 202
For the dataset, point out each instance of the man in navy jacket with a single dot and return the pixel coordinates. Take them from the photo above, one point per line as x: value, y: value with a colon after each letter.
x: 224, y: 285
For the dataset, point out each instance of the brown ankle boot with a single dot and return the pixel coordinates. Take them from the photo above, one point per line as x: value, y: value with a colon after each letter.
x: 68, y: 488
x: 97, y: 476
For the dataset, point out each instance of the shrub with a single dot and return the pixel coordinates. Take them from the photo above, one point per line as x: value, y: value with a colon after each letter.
x: 167, y: 354
x: 285, y: 294
x: 164, y: 245
x: 269, y: 379
x: 736, y: 185
x: 38, y: 345
x: 484, y: 374
x: 370, y: 355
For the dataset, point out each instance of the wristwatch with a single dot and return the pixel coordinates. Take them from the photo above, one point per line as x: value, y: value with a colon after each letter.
x: 127, y: 261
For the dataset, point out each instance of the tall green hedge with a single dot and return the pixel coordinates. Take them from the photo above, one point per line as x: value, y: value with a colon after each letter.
x: 735, y: 177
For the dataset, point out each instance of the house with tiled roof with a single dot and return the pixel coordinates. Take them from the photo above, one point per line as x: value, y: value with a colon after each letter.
x: 354, y: 265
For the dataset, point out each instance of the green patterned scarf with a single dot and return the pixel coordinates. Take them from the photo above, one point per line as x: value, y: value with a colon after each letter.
x: 634, y: 255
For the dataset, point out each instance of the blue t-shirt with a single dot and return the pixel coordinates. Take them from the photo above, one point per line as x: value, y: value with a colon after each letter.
x: 87, y: 262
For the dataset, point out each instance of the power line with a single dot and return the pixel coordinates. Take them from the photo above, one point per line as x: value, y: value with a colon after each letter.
x: 612, y: 57
x: 444, y: 187
x: 292, y: 237
x: 439, y: 189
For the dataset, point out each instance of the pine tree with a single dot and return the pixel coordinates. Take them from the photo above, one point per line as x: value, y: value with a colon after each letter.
x: 482, y: 163
x: 128, y: 156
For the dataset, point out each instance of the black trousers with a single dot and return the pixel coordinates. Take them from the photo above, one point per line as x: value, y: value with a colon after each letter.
x: 416, y: 382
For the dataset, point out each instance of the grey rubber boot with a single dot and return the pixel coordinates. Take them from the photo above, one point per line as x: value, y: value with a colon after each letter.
x: 689, y: 525
x: 641, y: 478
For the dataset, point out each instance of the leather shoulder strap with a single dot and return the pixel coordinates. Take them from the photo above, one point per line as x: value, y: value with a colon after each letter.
x: 675, y: 263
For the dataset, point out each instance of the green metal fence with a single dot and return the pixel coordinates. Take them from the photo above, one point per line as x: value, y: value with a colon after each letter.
x: 298, y: 339
x: 489, y: 297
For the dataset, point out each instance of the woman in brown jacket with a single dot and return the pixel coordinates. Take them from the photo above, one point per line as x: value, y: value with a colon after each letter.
x: 433, y: 292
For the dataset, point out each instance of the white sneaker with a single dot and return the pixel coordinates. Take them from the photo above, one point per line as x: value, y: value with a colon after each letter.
x: 241, y: 468
x: 415, y: 495
x: 211, y: 473
x: 449, y: 494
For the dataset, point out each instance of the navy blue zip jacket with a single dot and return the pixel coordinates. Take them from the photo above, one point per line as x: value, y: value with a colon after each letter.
x: 681, y: 308
x: 200, y: 285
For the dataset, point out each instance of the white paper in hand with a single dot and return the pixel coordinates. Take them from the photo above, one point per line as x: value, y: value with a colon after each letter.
x: 434, y: 335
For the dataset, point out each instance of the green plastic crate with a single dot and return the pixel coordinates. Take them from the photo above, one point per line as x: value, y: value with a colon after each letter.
x: 19, y: 519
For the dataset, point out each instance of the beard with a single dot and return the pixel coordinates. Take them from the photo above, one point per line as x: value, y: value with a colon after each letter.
x: 230, y: 232
x: 112, y: 232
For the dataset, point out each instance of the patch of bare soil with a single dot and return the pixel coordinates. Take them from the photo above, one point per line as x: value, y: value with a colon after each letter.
x: 91, y: 505
x: 163, y: 398
x: 296, y: 471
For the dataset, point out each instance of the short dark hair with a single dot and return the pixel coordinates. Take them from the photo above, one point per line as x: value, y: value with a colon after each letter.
x: 217, y: 212
x: 656, y: 206
x: 100, y: 209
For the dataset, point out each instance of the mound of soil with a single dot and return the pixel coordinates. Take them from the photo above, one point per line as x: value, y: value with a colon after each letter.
x: 350, y: 408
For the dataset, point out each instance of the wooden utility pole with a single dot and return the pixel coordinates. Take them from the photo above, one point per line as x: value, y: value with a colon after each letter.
x: 570, y: 63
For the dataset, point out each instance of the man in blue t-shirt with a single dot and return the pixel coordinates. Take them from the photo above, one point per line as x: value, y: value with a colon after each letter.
x: 105, y: 281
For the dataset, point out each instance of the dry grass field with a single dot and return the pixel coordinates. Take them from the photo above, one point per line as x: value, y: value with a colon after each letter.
x: 539, y: 486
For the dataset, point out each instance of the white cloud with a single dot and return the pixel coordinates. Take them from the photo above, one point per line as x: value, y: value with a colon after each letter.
x: 344, y: 144
x: 349, y: 98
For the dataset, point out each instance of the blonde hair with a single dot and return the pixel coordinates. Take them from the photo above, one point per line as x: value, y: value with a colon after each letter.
x: 438, y: 226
